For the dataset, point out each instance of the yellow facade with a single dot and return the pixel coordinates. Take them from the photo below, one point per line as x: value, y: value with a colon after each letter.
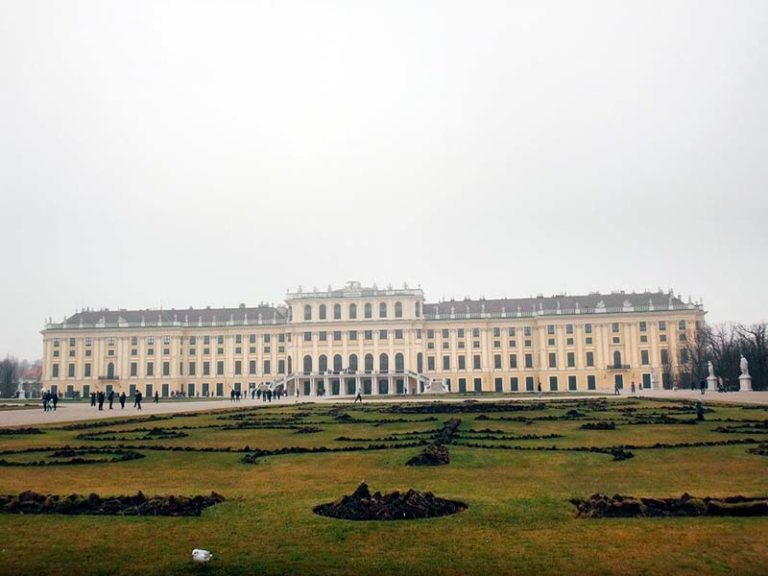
x: 378, y: 341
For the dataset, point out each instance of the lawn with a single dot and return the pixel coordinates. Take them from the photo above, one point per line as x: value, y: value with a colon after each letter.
x: 514, y: 464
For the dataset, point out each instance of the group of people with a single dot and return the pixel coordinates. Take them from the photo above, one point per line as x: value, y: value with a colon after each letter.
x: 50, y: 400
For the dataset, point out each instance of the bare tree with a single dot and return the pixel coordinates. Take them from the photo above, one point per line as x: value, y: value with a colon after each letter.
x: 753, y: 344
x: 9, y: 376
x: 694, y: 355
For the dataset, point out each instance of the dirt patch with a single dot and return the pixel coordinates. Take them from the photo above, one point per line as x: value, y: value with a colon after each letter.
x: 599, y: 425
x: 75, y: 504
x: 410, y: 505
x: 433, y: 455
x: 617, y: 506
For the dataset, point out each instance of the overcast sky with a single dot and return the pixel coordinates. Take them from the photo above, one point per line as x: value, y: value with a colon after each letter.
x: 190, y: 153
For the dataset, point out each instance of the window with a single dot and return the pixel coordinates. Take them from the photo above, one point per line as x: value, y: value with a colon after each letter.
x: 54, y: 370
x: 71, y: 341
x: 353, y: 311
x: 239, y: 339
x: 193, y: 368
x: 683, y: 338
x: 569, y: 328
x: 551, y: 342
x: 588, y: 328
x: 252, y: 350
x: 527, y: 343
x: 206, y: 368
x: 71, y: 371
x: 529, y: 360
x: 644, y: 357
x: 368, y: 335
x: 527, y: 331
x: 553, y: 360
x: 398, y: 310
x: 337, y: 311
x: 445, y: 333
x: 166, y: 368
x: 87, y: 370
x: 336, y: 335
x: 252, y: 367
x: 238, y: 367
x: 206, y: 340
x: 680, y: 326
x: 643, y: 339
x: 431, y: 363
x: 569, y: 341
x: 512, y: 343
x: 150, y: 368
x: 281, y: 366
x: 111, y: 341
x: 321, y: 312
x: 663, y: 338
x: 590, y: 359
x: 497, y: 332
x: 461, y: 345
x: 616, y: 340
x: 134, y: 340
x: 220, y: 340
x: 572, y: 383
x: 88, y: 341
x: 476, y: 362
x: 220, y: 368
x: 511, y: 332
x: 588, y: 340
x: 617, y: 359
x: 267, y: 367
x: 662, y: 325
x: 134, y: 369
x: 368, y: 310
x: 398, y: 334
x: 166, y: 351
x: 497, y: 361
x: 307, y: 336
x: 553, y: 383
x: 430, y: 334
x: 56, y: 353
x: 251, y: 339
x: 550, y: 328
x: 497, y: 384
x: 683, y: 356
x: 497, y: 343
x: 353, y: 334
x: 323, y: 336
x: 382, y: 334
x: 513, y: 361
x: 643, y: 326
x: 383, y: 310
x: 418, y: 333
x: 571, y: 359
x: 475, y: 332
x: 615, y: 327
x: 166, y: 340
x: 460, y: 332
x: 418, y: 309
x: 462, y: 363
x: 446, y: 362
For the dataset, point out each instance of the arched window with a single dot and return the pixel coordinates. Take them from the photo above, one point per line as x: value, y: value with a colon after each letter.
x: 353, y: 362
x: 383, y: 363
x: 398, y: 309
x: 322, y: 312
x: 369, y: 362
x: 418, y: 309
x: 307, y: 364
x: 353, y: 311
x: 337, y: 311
x: 337, y: 363
x: 617, y: 359
x: 399, y: 363
x: 322, y: 363
x: 419, y: 363
x: 110, y: 370
x: 383, y: 310
x: 307, y: 312
x: 368, y: 310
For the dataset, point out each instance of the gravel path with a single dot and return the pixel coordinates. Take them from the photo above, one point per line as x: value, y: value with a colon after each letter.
x: 75, y: 411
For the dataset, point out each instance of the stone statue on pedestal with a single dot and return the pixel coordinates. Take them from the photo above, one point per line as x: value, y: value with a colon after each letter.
x: 745, y: 380
x: 744, y: 365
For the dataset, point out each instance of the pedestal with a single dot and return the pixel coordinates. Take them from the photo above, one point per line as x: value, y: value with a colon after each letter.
x: 745, y: 383
x: 712, y: 383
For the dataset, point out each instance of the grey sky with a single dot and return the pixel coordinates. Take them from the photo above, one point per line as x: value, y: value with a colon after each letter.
x: 193, y: 153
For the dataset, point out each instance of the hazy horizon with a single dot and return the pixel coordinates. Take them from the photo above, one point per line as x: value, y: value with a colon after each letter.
x: 216, y: 153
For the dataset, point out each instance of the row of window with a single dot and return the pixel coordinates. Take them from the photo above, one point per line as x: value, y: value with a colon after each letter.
x: 322, y: 311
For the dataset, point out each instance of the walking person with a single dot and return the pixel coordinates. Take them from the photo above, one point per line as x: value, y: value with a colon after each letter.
x: 359, y: 397
x: 111, y: 398
x: 539, y: 388
x: 122, y: 400
x: 632, y: 388
x: 55, y: 400
x: 100, y: 399
x: 137, y: 400
x: 157, y: 397
x: 93, y: 398
x: 703, y: 386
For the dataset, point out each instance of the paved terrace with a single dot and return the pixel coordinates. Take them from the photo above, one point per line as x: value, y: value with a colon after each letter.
x: 76, y: 411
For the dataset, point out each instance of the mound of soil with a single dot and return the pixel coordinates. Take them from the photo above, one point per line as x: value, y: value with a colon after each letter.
x: 433, y: 455
x: 75, y: 504
x: 761, y: 450
x: 362, y: 505
x: 617, y: 506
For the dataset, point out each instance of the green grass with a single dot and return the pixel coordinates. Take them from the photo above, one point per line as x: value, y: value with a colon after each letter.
x: 519, y: 520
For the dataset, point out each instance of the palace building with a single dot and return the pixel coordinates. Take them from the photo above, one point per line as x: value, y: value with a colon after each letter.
x: 379, y: 341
